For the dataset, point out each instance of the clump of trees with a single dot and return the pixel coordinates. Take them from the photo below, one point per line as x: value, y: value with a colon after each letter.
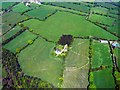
x: 91, y: 81
x: 15, y: 77
x: 65, y: 39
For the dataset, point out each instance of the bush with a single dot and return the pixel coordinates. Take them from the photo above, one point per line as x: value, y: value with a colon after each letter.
x: 17, y: 50
x: 92, y: 86
x: 30, y: 42
x: 31, y: 30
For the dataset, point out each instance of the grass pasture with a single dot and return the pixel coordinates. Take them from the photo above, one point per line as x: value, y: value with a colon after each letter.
x: 101, y: 55
x: 11, y: 32
x: 41, y: 12
x: 34, y: 5
x: 58, y: 23
x: 115, y: 28
x: 80, y: 7
x: 117, y: 52
x: 100, y: 10
x: 101, y: 19
x: 5, y: 28
x: 20, y: 41
x: 37, y: 60
x: 6, y: 5
x: 20, y: 8
x: 12, y: 18
x: 104, y: 79
x: 77, y: 65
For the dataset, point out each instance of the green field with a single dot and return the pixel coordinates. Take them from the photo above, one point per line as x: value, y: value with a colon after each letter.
x: 80, y: 7
x: 11, y: 32
x: 104, y: 79
x: 101, y: 19
x: 5, y: 28
x: 37, y: 60
x: 41, y: 60
x: 34, y: 5
x: 100, y: 10
x: 41, y: 12
x: 11, y: 18
x: 77, y: 65
x: 75, y: 27
x: 117, y: 52
x: 6, y: 5
x: 20, y: 41
x: 115, y: 28
x: 101, y: 55
x: 20, y: 8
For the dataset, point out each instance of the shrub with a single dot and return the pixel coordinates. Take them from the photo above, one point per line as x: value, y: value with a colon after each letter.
x: 30, y: 42
x: 17, y: 50
x: 31, y: 30
x: 92, y: 86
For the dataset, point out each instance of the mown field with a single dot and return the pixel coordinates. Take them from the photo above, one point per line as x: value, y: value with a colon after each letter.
x: 77, y: 65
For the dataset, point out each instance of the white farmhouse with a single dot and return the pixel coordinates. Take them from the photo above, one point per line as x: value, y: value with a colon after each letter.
x: 103, y: 41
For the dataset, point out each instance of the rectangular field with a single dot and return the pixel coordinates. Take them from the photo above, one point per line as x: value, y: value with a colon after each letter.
x: 104, y: 79
x: 101, y: 19
x: 20, y: 8
x: 5, y: 28
x: 6, y: 5
x: 41, y: 12
x: 20, y: 41
x: 11, y: 18
x: 101, y: 55
x: 99, y: 10
x: 69, y: 5
x: 77, y: 65
x: 117, y: 54
x: 11, y: 32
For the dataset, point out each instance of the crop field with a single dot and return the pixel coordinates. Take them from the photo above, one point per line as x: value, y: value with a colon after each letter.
x: 60, y: 45
x: 100, y: 50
